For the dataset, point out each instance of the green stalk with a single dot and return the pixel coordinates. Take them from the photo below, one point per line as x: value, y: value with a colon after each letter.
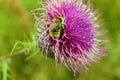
x: 4, y: 70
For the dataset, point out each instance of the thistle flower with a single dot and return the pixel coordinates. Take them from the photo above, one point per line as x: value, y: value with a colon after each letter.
x: 67, y: 30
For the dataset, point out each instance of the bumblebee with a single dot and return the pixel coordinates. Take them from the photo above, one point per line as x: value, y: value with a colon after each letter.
x: 56, y: 27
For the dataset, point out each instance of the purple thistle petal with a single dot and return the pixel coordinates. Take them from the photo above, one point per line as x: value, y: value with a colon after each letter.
x: 77, y: 47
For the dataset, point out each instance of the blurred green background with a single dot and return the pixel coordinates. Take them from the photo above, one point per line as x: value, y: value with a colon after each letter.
x: 16, y: 23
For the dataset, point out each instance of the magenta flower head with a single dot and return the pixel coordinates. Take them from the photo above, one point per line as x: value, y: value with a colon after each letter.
x: 68, y: 30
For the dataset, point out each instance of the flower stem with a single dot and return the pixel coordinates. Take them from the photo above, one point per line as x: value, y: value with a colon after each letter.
x: 14, y: 54
x: 4, y: 70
